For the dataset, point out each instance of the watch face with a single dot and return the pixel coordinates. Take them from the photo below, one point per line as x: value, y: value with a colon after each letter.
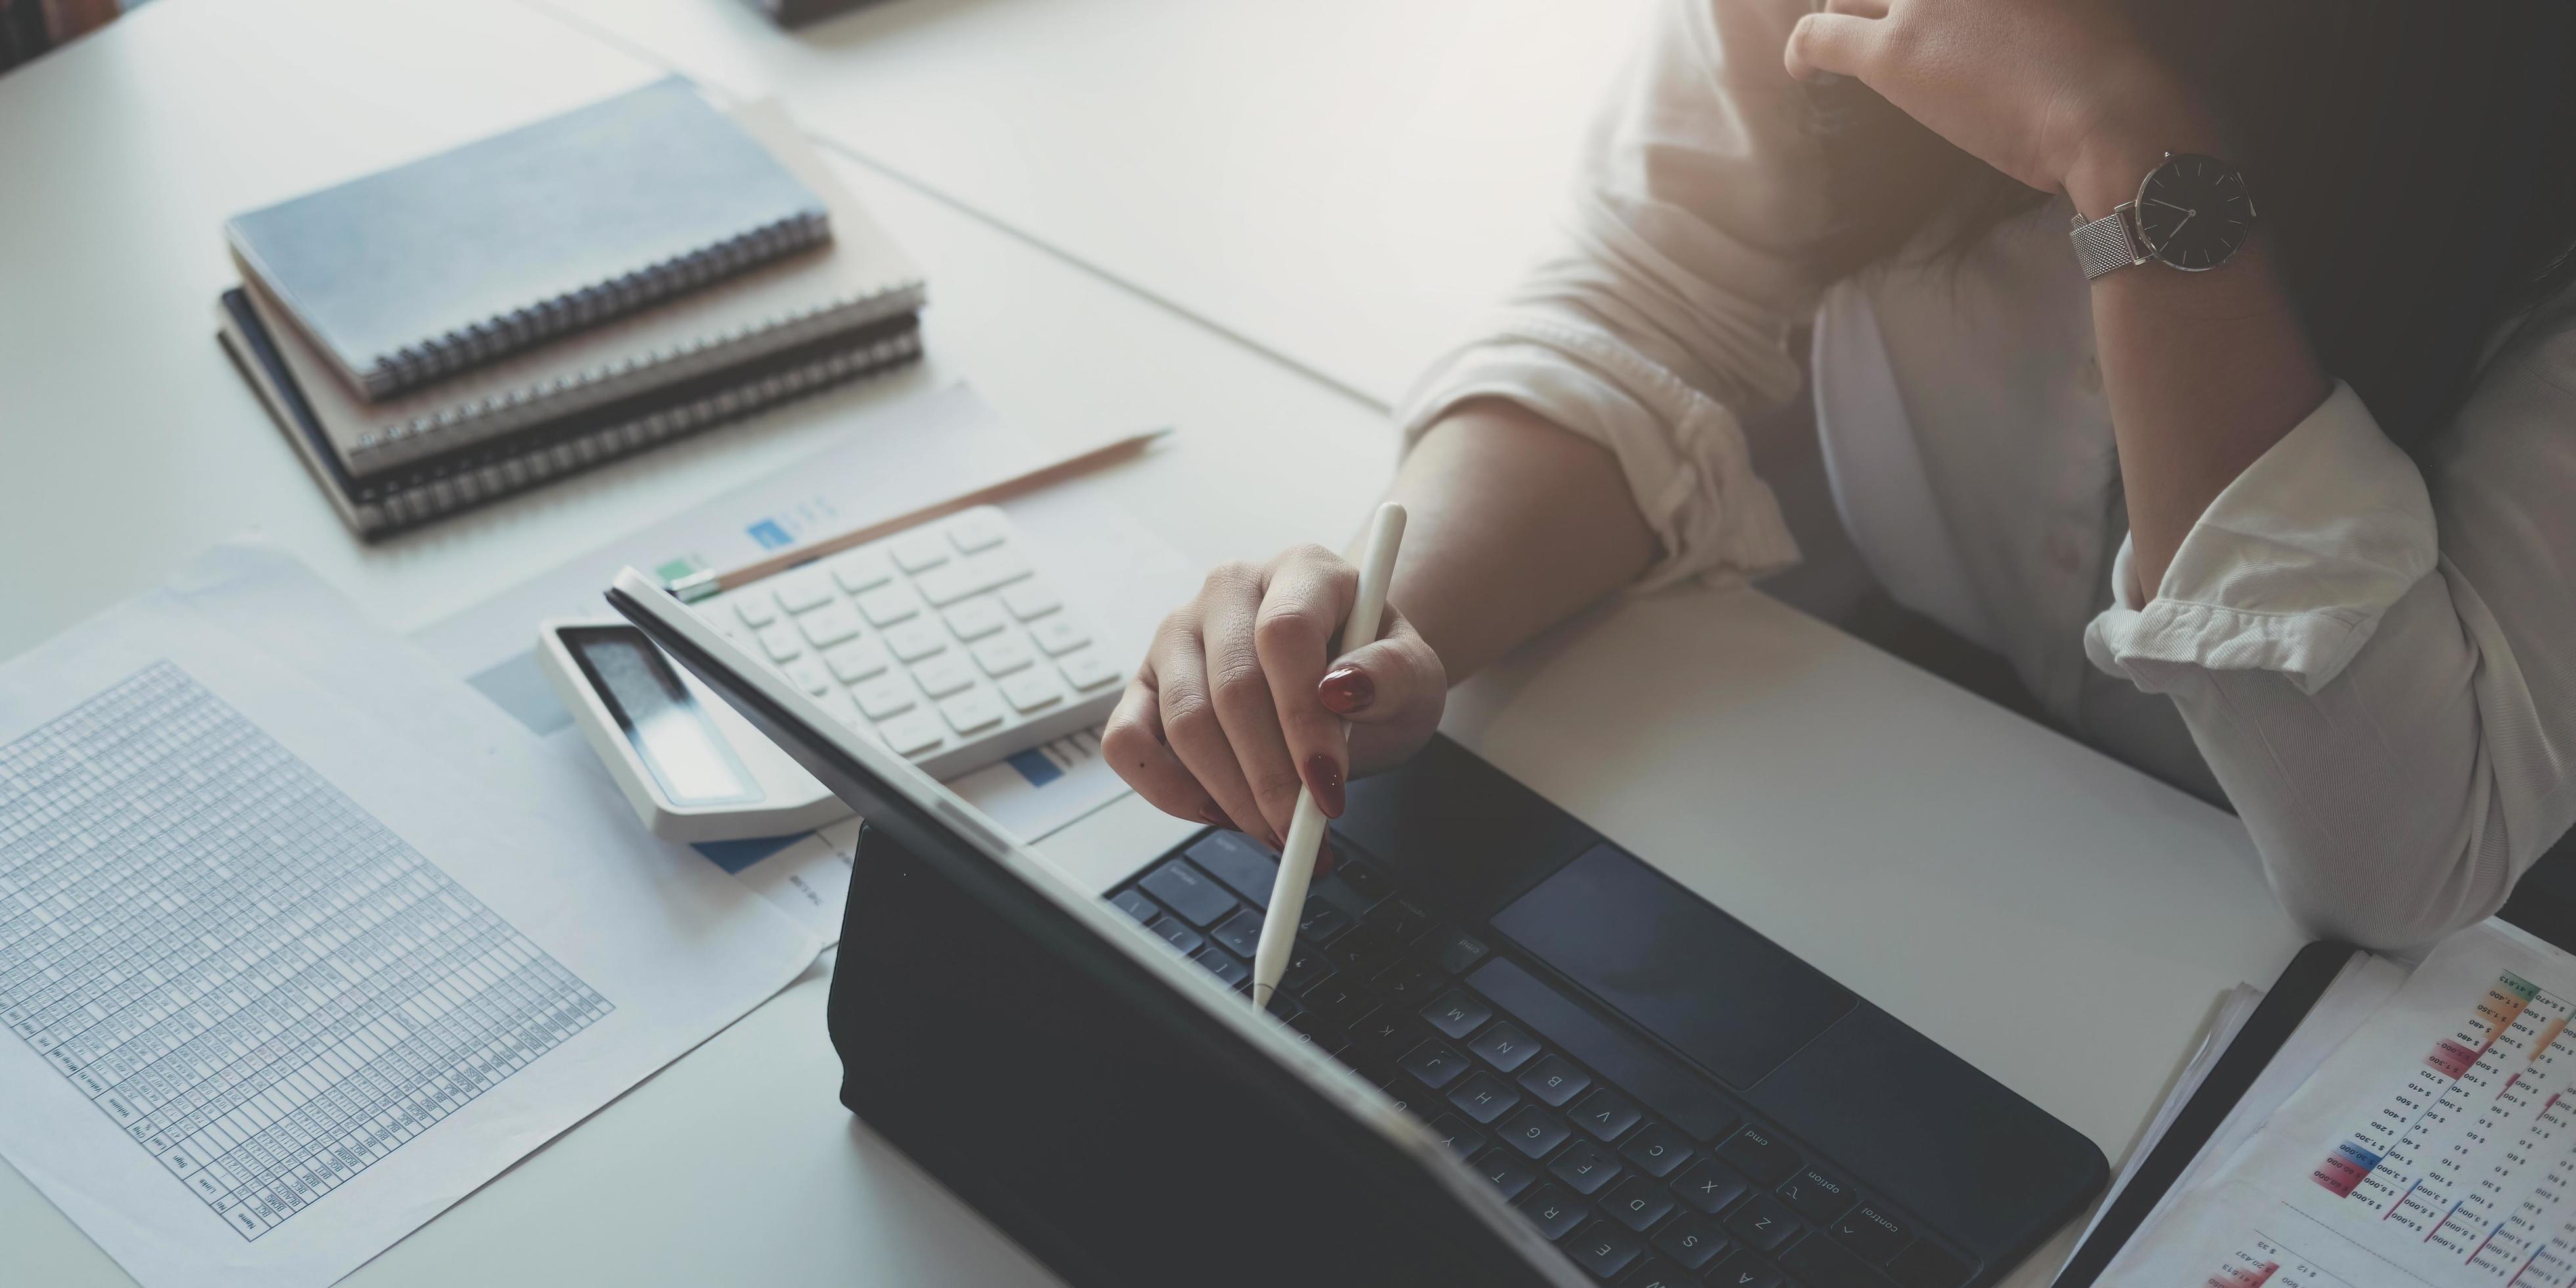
x: 2193, y: 211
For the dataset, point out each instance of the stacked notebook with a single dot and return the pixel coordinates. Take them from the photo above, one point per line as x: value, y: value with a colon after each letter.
x: 554, y: 298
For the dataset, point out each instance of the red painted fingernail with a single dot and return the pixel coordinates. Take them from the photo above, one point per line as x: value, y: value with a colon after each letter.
x: 1324, y: 779
x: 1346, y: 689
x: 1276, y: 843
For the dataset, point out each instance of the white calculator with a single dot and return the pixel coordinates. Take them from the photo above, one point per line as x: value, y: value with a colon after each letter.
x: 941, y: 641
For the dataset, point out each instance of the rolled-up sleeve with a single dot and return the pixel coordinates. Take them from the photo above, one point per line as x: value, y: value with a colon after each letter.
x: 2370, y: 651
x: 1664, y: 309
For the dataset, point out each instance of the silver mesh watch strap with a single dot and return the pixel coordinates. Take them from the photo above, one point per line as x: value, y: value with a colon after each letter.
x: 2105, y: 244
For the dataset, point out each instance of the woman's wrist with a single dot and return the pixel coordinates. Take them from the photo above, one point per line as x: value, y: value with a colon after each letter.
x: 2130, y: 139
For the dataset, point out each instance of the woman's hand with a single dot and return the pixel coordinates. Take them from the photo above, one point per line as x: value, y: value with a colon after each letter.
x: 1241, y: 697
x: 2043, y: 90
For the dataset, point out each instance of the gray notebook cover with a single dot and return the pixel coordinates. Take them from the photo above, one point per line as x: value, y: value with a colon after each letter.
x: 411, y: 273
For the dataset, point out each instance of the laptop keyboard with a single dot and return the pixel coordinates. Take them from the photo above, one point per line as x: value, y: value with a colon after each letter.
x: 1641, y: 1172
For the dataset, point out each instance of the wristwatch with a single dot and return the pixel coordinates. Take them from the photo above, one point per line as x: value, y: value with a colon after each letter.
x: 2192, y: 212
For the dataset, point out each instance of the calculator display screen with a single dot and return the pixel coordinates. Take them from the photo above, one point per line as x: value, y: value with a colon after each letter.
x: 662, y: 721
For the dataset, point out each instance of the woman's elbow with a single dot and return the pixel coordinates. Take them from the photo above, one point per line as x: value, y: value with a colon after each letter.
x: 2389, y: 899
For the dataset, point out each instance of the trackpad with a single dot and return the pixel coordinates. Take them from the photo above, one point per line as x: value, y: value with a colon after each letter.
x: 1699, y: 979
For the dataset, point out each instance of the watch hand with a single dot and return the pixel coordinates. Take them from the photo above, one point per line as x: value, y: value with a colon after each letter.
x: 2171, y: 206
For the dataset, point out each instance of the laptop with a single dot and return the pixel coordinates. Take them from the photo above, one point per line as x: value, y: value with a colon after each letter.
x: 1511, y: 1051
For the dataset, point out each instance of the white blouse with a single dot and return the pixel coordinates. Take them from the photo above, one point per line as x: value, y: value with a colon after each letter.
x: 2372, y: 654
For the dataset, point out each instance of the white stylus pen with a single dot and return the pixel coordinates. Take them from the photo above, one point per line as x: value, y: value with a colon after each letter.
x: 1306, y: 828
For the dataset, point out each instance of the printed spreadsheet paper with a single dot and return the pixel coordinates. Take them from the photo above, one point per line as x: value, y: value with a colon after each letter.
x: 279, y: 983
x: 2436, y: 1146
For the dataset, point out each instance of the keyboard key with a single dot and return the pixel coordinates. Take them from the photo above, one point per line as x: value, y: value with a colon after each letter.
x: 1409, y: 1094
x: 809, y: 674
x: 799, y: 589
x: 1757, y: 1153
x: 884, y: 698
x: 976, y: 530
x: 1136, y: 905
x: 756, y: 608
x: 915, y: 551
x: 781, y: 642
x: 910, y: 734
x: 941, y: 676
x: 1336, y: 997
x: 1637, y: 1203
x: 1742, y: 1269
x: 1658, y: 1150
x: 1507, y: 1171
x: 1362, y: 951
x: 1871, y: 1232
x: 1408, y: 982
x: 1926, y: 1266
x: 887, y: 605
x: 1305, y: 966
x: 829, y: 625
x: 1400, y: 919
x: 1088, y: 670
x: 1816, y: 1195
x: 1371, y: 881
x: 860, y: 570
x: 972, y: 575
x: 1455, y: 1132
x: 1457, y: 1013
x: 968, y: 712
x: 1762, y: 1223
x: 1604, y: 1249
x: 1188, y: 891
x: 1533, y: 1131
x: 1819, y: 1262
x: 974, y: 619
x: 1657, y: 1272
x: 913, y: 641
x: 1553, y: 1210
x: 1690, y: 1242
x: 1504, y: 1046
x: 1484, y: 1097
x: 1240, y: 933
x: 1031, y: 601
x: 1453, y: 950
x: 1177, y: 935
x: 1388, y: 1030
x: 1435, y: 1063
x: 1237, y: 862
x: 1586, y: 1166
x: 1707, y: 1187
x: 1606, y: 1114
x: 1000, y: 657
x: 1222, y: 965
x: 1318, y: 1033
x: 1690, y: 1103
x: 1030, y: 691
x: 1555, y: 1080
x: 1324, y: 923
x: 857, y: 660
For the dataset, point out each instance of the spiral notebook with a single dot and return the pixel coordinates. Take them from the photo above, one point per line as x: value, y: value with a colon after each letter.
x: 414, y: 273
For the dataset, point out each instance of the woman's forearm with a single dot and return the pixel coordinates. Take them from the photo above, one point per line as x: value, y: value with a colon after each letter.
x: 1515, y: 525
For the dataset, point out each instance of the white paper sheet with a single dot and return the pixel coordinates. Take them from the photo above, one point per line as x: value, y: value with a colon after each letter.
x: 2436, y: 1145
x: 213, y: 770
x: 889, y: 462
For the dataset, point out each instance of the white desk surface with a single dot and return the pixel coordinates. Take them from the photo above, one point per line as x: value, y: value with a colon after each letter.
x: 2060, y: 921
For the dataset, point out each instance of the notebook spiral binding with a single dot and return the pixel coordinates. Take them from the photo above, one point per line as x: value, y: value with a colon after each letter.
x: 414, y: 365
x: 500, y: 414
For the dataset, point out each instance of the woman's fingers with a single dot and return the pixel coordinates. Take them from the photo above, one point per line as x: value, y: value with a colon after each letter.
x: 1241, y: 697
x: 1310, y: 595
x: 1858, y: 8
x: 1840, y: 43
x: 1190, y: 724
x: 1392, y: 692
x: 1133, y: 741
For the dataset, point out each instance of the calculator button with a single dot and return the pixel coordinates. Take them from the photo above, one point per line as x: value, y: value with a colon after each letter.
x: 857, y: 660
x: 1553, y: 1210
x: 915, y: 551
x: 859, y: 570
x: 887, y: 605
x: 802, y: 589
x: 968, y: 712
x: 809, y: 675
x: 1554, y: 1079
x: 1030, y: 690
x: 882, y: 698
x: 1637, y: 1203
x: 976, y: 530
x: 829, y: 625
x: 1086, y: 670
x: 972, y: 575
x: 1031, y: 601
x: 780, y: 642
x: 1000, y: 657
x: 838, y: 705
x: 1059, y: 634
x: 911, y: 734
x: 1658, y: 1150
x: 941, y: 676
x: 913, y: 641
x: 1586, y: 1165
x: 756, y: 608
x: 974, y: 619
